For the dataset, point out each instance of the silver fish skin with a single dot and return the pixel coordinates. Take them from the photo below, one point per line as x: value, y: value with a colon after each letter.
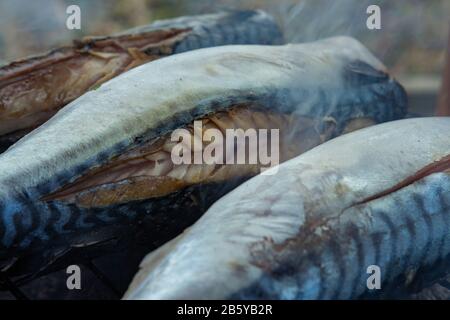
x: 311, y: 230
x: 337, y: 77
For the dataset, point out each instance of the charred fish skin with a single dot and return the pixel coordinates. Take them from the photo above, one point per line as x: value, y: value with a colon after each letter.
x: 33, y: 89
x: 126, y: 113
x: 312, y: 230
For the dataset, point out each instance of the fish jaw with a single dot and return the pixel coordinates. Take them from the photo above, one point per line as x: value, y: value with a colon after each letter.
x: 293, y: 234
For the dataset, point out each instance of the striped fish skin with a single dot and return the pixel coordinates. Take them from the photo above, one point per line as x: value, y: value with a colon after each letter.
x: 225, y: 28
x: 29, y: 97
x: 335, y: 78
x: 312, y: 230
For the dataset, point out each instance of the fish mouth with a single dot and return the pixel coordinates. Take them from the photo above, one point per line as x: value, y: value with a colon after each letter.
x: 148, y: 171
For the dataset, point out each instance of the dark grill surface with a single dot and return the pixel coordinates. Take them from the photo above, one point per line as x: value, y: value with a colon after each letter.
x: 105, y: 278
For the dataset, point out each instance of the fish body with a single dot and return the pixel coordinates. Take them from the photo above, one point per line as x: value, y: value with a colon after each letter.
x: 375, y: 198
x: 90, y: 175
x: 34, y: 89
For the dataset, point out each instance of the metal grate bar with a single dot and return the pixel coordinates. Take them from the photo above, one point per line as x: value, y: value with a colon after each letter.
x: 12, y: 288
x: 103, y: 278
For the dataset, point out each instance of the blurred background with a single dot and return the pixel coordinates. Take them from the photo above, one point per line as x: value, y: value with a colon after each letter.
x: 411, y: 43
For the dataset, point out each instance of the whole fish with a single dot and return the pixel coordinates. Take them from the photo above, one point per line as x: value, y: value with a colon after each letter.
x: 101, y: 169
x: 374, y: 199
x: 34, y: 89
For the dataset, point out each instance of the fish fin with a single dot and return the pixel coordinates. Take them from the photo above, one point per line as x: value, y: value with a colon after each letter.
x: 361, y: 73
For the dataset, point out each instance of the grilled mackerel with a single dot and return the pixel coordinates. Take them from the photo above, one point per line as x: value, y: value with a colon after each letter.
x: 100, y: 170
